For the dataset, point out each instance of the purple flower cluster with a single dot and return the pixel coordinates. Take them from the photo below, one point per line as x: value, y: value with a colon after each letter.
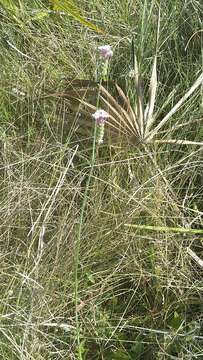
x: 106, y: 52
x: 100, y: 116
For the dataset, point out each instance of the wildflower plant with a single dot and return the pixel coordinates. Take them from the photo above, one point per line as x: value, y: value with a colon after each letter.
x: 136, y: 120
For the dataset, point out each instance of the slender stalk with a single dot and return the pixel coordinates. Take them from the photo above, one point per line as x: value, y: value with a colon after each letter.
x: 82, y: 214
x: 77, y: 249
x: 177, y: 142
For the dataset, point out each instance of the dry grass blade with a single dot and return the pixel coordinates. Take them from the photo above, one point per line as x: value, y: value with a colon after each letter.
x: 90, y: 106
x: 117, y: 109
x: 197, y: 83
x: 195, y: 257
x: 152, y: 96
x: 116, y: 125
x: 149, y: 111
x: 140, y: 107
x: 122, y: 121
x: 178, y: 142
x: 132, y: 116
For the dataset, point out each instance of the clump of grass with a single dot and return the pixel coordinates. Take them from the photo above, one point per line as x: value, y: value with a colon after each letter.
x: 139, y: 288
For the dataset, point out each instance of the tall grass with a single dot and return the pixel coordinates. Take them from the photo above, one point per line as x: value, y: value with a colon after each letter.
x: 99, y: 259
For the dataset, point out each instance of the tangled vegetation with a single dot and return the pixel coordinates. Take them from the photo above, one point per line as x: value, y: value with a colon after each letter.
x: 101, y: 221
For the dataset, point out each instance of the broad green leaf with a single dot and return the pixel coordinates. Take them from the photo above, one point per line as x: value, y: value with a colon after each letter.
x: 70, y: 8
x: 176, y: 321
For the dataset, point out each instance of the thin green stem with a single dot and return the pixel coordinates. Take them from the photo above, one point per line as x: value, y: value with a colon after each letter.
x: 77, y: 250
x: 82, y: 217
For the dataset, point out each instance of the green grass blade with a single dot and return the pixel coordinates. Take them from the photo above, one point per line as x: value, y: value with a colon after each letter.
x: 70, y: 8
x: 9, y: 5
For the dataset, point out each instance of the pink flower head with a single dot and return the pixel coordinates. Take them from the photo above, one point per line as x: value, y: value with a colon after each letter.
x: 100, y: 116
x: 105, y: 51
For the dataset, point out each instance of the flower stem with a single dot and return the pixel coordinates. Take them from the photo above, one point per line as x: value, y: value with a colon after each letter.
x: 79, y: 235
x: 78, y: 242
